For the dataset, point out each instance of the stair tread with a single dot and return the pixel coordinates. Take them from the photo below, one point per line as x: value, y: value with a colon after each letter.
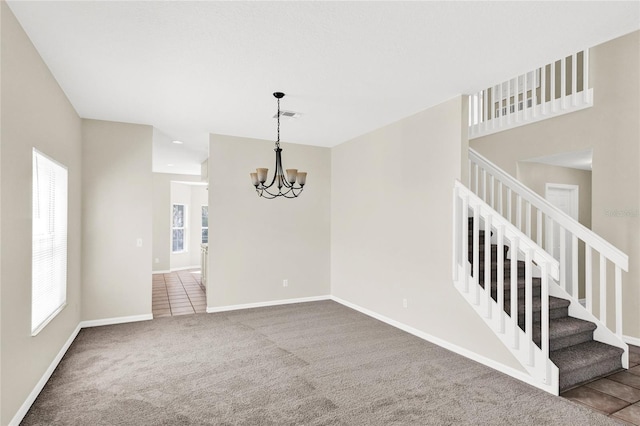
x: 554, y: 303
x: 564, y: 327
x: 535, y: 282
x: 583, y: 355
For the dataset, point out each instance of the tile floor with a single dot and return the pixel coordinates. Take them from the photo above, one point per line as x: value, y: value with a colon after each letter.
x: 178, y: 293
x: 617, y: 395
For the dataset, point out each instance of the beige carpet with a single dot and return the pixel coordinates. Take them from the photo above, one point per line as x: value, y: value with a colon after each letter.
x: 313, y: 363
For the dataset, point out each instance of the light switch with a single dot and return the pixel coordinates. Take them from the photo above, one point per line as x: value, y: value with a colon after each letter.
x: 139, y: 242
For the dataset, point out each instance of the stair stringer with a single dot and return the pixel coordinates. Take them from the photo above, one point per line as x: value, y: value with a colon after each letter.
x: 602, y: 333
x: 544, y: 373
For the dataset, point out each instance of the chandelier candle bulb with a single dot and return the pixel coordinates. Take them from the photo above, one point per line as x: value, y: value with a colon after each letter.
x: 291, y: 173
x: 262, y: 175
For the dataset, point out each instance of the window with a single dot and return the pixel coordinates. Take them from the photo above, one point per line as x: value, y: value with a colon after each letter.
x: 178, y: 228
x: 205, y: 224
x: 49, y: 241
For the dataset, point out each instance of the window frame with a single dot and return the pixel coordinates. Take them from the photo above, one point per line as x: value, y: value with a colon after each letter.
x: 174, y: 228
x: 202, y: 227
x: 54, y: 227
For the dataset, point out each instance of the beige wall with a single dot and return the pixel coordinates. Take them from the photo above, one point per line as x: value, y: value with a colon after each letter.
x: 162, y: 217
x: 391, y: 227
x: 256, y: 243
x: 611, y: 127
x: 117, y: 211
x: 34, y: 113
x: 536, y: 176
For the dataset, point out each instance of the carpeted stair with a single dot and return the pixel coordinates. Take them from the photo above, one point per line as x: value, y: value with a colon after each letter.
x: 572, y: 349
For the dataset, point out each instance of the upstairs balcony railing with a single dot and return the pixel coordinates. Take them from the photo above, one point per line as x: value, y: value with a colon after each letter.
x: 554, y: 89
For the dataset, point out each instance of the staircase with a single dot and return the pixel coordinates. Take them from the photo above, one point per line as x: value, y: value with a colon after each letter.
x: 526, y: 288
x: 578, y: 357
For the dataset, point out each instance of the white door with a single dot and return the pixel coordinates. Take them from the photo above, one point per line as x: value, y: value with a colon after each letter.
x: 564, y: 197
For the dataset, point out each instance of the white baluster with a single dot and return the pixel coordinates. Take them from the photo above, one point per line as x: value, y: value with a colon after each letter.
x: 509, y: 206
x: 574, y: 79
x: 528, y: 219
x: 539, y: 227
x: 456, y: 241
x: 563, y: 83
x: 585, y: 75
x: 500, y: 114
x: 525, y: 111
x: 500, y: 207
x: 516, y: 99
x: 487, y: 265
x: 588, y: 277
x: 518, y: 212
x: 528, y: 277
x: 574, y: 266
x: 543, y: 90
x: 508, y: 109
x: 563, y: 258
x: 465, y: 241
x: 476, y: 254
x: 500, y: 289
x: 484, y: 185
x: 618, y: 301
x: 550, y: 237
x: 534, y: 93
x: 469, y: 175
x: 514, y: 292
x: 603, y: 289
x: 544, y: 316
x: 493, y: 192
x: 553, y: 86
x: 477, y: 179
x: 472, y: 114
x: 485, y: 105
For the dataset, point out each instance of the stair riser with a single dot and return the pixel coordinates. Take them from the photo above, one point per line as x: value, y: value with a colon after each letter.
x: 574, y: 339
x: 570, y: 379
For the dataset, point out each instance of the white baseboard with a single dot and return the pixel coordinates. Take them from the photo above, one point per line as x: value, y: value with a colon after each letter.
x: 520, y: 375
x: 116, y: 320
x: 24, y: 408
x: 184, y: 268
x: 631, y: 340
x: 165, y: 271
x: 214, y: 309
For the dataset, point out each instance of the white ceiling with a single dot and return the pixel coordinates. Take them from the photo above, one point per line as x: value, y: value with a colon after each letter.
x: 575, y: 160
x: 194, y: 68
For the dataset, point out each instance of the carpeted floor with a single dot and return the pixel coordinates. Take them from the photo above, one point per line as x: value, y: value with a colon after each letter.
x: 313, y: 363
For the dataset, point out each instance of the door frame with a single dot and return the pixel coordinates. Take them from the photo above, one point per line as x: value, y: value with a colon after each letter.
x: 575, y: 207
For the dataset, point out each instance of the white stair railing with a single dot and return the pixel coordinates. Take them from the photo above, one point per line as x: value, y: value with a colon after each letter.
x: 478, y: 293
x: 538, y: 219
x: 551, y: 90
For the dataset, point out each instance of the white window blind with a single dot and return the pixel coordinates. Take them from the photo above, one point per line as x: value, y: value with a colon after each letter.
x: 178, y: 235
x: 205, y: 224
x: 49, y: 235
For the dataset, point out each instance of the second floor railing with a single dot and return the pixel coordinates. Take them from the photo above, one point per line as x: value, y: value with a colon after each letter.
x: 556, y: 88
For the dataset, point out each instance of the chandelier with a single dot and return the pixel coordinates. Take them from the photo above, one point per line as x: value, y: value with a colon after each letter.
x: 284, y: 186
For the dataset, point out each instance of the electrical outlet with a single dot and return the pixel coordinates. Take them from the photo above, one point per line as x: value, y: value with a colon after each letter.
x: 157, y: 260
x: 285, y: 283
x: 404, y: 303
